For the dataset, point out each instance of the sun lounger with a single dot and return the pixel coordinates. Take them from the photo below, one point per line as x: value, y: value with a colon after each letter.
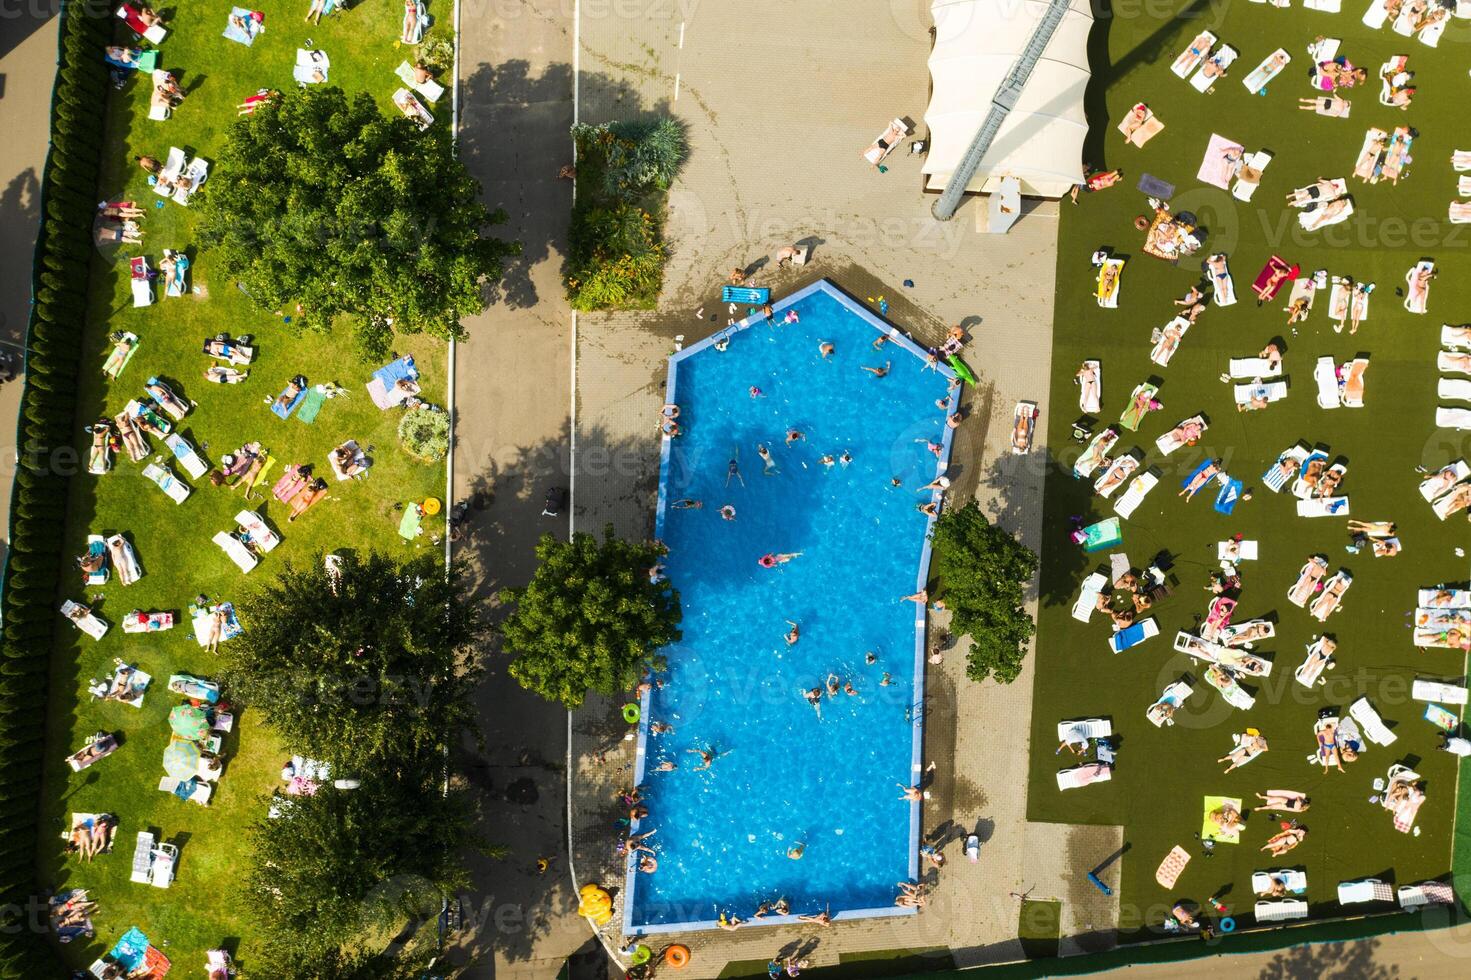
x: 242, y: 556
x: 194, y: 177
x: 142, y: 857
x: 1447, y: 361
x: 122, y: 352
x: 1161, y: 713
x: 1426, y: 893
x: 154, y: 34
x: 1096, y: 452
x: 185, y: 454
x: 1271, y: 391
x: 177, y: 491
x: 1431, y: 599
x: 1193, y: 54
x: 139, y: 621
x: 1261, y: 76
x: 142, y: 285
x: 177, y: 284
x: 98, y: 749
x: 124, y: 560
x: 1453, y: 389
x: 1138, y: 488
x: 1281, y: 911
x: 1093, y: 586
x: 1325, y: 6
x: 1171, y: 441
x: 1093, y: 772
x: 96, y: 552
x: 1328, y: 601
x: 1169, y: 869
x: 1114, y: 477
x: 1254, y: 367
x: 1163, y: 351
x: 261, y: 535
x: 84, y: 619
x: 1310, y: 673
x: 1373, y: 726
x: 1416, y: 300
x: 1274, y: 479
x: 1110, y: 276
x: 1376, y: 16
x: 1352, y: 386
x: 1426, y: 690
x: 1214, y: 69
x: 1367, y: 890
x: 1322, y: 217
x: 1265, y: 628
x: 885, y: 142
x: 1247, y: 180
x: 198, y: 791
x: 430, y: 89
x: 1084, y: 729
x: 311, y: 67
x: 1326, y: 375
x: 1437, y: 487
x: 1295, y: 881
x: 1453, y: 418
x: 1090, y: 395
x: 1197, y: 647
x: 413, y: 109
x: 1132, y: 636
x: 1308, y: 577
x: 1404, y: 810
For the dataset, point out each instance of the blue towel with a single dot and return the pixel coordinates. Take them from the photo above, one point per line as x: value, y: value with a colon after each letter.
x: 252, y: 27
x: 285, y: 413
x: 745, y: 294
x: 1152, y: 186
x: 186, y: 789
x: 131, y: 949
x: 1226, y: 499
x: 1196, y: 472
x: 401, y: 369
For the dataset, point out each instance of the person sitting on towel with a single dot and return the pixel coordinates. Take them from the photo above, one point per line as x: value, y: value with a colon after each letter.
x: 348, y: 460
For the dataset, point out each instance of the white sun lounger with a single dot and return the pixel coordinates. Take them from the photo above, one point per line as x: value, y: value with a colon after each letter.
x: 1093, y: 772
x: 307, y: 63
x: 1222, y: 58
x: 239, y: 554
x: 1326, y: 376
x: 1121, y: 469
x: 1083, y: 729
x: 431, y: 89
x: 1090, y: 396
x: 1282, y: 911
x: 1432, y: 599
x: 1453, y: 389
x: 1453, y: 501
x: 1367, y: 890
x: 1197, y: 647
x: 1132, y: 636
x: 1245, y: 551
x: 1177, y: 694
x: 142, y: 292
x: 1453, y: 418
x: 1094, y: 455
x: 1088, y: 598
x: 142, y: 857
x: 1325, y: 6
x: 260, y: 533
x: 1243, y: 189
x: 1420, y: 306
x: 1189, y: 60
x: 1160, y: 354
x: 1374, y: 728
x: 185, y: 454
x: 1231, y: 632
x: 1312, y: 667
x: 1461, y: 471
x: 1320, y: 218
x: 1438, y: 691
x: 1447, y: 361
x: 1273, y: 479
x: 1324, y: 49
x: 202, y: 791
x: 1296, y: 881
x: 166, y: 481
x: 1272, y: 391
x: 1261, y: 76
x: 91, y: 623
x: 154, y: 34
x: 1251, y: 368
x: 1426, y: 893
x: 1223, y: 287
x: 1376, y: 15
x: 1323, y: 507
x: 1138, y: 488
x: 1326, y: 604
x: 165, y: 862
x: 1168, y: 442
x: 198, y: 173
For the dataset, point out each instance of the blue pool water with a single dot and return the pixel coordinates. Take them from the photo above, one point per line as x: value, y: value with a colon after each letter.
x: 784, y: 775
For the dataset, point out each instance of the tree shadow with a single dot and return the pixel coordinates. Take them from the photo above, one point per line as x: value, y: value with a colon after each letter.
x: 1309, y: 962
x: 20, y: 211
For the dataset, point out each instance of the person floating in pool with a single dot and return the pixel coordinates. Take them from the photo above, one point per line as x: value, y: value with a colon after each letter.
x: 834, y: 685
x: 845, y: 458
x: 870, y: 657
x: 796, y: 850
x: 849, y: 689
x: 885, y: 680
x: 934, y: 447
x: 660, y: 728
x: 733, y: 470
x: 826, y: 349
x: 755, y: 392
x: 648, y: 864
x: 826, y: 460
x: 880, y: 341
x: 794, y: 435
x: 814, y: 698
x: 794, y: 634
x: 728, y: 512
x: 878, y: 372
x: 707, y: 756
x: 687, y: 504
x: 668, y: 765
x: 770, y: 560
x: 766, y: 459
x: 791, y: 317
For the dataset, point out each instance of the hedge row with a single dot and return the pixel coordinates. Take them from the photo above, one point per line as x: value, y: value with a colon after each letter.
x: 38, y: 499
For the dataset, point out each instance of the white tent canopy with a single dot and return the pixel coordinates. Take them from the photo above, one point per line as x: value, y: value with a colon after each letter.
x: 1041, y: 142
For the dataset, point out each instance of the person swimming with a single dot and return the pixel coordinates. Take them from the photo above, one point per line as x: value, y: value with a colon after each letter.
x: 733, y: 469
x: 793, y: 635
x: 826, y: 349
x: 766, y: 459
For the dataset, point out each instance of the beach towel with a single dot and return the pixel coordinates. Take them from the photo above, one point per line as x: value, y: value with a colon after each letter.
x: 1169, y: 869
x: 290, y: 483
x: 430, y: 89
x: 1427, y: 690
x: 1146, y: 130
x: 1104, y: 534
x: 1151, y: 186
x: 1323, y: 216
x: 1093, y: 772
x: 410, y: 527
x: 1110, y: 277
x: 202, y: 619
x: 1228, y: 496
x: 383, y: 386
x: 284, y: 412
x: 266, y: 466
x: 311, y: 405
x: 1396, y: 155
x: 1417, y: 298
x: 1253, y: 368
x: 1139, y: 487
x: 1262, y: 75
x: 1209, y: 830
x: 1089, y: 394
x: 1097, y: 451
x: 1222, y: 160
x: 122, y: 352
x: 1304, y: 289
x: 252, y: 23
x: 309, y: 64
x: 1139, y: 405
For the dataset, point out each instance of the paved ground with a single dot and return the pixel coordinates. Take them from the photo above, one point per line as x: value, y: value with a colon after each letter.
x: 512, y: 386
x: 748, y: 189
x: 27, y: 67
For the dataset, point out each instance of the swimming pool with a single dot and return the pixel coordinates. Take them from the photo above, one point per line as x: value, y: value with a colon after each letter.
x: 783, y: 773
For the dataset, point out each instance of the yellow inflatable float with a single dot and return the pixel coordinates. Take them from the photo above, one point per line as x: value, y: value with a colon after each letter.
x: 595, y: 904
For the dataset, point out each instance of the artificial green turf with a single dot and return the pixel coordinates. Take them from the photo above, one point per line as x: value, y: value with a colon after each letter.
x: 1162, y: 774
x: 173, y: 542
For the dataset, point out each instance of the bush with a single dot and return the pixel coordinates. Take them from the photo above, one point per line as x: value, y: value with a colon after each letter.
x: 424, y: 432
x: 984, y: 570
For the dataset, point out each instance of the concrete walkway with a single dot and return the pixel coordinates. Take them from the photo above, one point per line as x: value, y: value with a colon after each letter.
x: 27, y: 70
x: 512, y: 401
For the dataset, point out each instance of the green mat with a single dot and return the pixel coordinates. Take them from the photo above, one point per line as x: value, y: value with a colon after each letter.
x: 409, y: 528
x: 310, y: 406
x: 1208, y: 828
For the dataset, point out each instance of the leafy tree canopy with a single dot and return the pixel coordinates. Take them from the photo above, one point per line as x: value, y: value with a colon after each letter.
x: 362, y: 667
x: 323, y: 201
x: 338, y: 862
x: 984, y: 570
x: 591, y: 619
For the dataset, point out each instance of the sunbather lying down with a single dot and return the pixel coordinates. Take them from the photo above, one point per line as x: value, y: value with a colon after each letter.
x: 92, y: 836
x: 1285, y: 841
x: 1283, y: 799
x: 225, y: 376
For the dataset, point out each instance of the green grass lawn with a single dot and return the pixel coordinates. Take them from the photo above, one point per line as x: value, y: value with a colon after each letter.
x: 1162, y: 775
x: 172, y: 541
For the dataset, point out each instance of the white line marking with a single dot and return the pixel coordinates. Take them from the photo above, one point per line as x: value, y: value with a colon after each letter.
x: 681, y: 35
x: 676, y: 86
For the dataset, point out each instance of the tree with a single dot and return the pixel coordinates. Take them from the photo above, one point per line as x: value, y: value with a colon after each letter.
x: 323, y: 201
x: 290, y: 961
x: 591, y: 619
x: 984, y: 570
x: 336, y: 863
x: 361, y: 668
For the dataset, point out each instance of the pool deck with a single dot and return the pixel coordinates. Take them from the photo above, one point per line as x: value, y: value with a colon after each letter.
x: 746, y: 191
